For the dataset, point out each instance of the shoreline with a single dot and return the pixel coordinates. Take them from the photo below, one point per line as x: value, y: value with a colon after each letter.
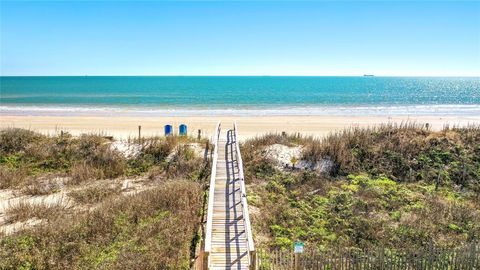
x: 379, y: 110
x: 123, y: 127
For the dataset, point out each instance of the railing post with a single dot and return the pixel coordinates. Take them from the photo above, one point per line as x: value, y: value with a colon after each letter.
x: 253, y: 260
x: 205, y: 260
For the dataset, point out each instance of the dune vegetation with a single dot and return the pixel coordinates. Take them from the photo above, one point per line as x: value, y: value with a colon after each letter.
x: 26, y: 156
x: 83, y: 203
x: 88, y: 202
x: 395, y: 186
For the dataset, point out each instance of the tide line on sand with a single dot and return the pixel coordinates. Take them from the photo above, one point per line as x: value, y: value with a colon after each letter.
x: 327, y: 110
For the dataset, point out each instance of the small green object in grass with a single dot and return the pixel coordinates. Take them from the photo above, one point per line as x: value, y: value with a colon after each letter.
x: 299, y: 246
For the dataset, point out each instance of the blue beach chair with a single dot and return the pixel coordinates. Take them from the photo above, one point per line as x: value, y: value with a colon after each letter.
x: 168, y: 130
x: 182, y: 130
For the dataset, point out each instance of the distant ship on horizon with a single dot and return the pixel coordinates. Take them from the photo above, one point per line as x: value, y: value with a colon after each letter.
x: 368, y: 75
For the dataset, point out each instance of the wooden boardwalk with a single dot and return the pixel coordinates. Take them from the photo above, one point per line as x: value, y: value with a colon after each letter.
x: 229, y: 235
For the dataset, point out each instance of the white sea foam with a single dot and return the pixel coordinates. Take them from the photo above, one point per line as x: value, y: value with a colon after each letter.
x: 384, y: 110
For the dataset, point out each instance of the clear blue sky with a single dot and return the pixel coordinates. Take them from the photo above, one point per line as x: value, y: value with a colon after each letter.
x: 240, y: 38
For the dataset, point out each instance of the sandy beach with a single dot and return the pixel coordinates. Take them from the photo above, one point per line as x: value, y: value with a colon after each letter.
x: 124, y: 127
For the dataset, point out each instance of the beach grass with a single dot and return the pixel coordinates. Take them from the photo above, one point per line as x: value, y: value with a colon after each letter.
x: 397, y: 186
x: 149, y: 230
x: 25, y: 155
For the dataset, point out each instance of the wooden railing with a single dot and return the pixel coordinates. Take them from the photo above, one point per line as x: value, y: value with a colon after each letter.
x: 208, y: 231
x: 246, y: 217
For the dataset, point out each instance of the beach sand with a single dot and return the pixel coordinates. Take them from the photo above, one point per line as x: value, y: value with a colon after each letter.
x: 124, y: 127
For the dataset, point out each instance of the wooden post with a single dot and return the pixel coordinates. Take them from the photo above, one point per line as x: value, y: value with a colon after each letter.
x: 199, y: 136
x: 205, y: 260
x: 430, y: 255
x: 297, y: 261
x: 253, y: 260
x: 473, y: 254
x: 139, y: 133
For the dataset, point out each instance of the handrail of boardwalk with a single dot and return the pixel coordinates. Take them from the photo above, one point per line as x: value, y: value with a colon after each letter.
x: 208, y: 234
x: 246, y: 216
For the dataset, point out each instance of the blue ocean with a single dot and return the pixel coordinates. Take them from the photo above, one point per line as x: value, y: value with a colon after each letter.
x: 238, y: 95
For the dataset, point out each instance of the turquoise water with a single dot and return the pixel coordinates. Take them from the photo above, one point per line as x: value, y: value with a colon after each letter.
x: 250, y: 95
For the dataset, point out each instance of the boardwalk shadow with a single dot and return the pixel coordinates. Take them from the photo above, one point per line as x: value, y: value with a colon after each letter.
x: 234, y: 227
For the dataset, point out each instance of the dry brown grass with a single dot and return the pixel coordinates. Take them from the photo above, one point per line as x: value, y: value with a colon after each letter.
x: 24, y: 210
x: 99, y: 160
x: 184, y: 163
x: 17, y: 139
x: 149, y: 230
x: 94, y: 194
x: 11, y: 177
x: 159, y: 148
x: 26, y: 154
x: 156, y: 173
x: 82, y: 172
x: 339, y: 146
x: 403, y: 152
x: 45, y: 185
